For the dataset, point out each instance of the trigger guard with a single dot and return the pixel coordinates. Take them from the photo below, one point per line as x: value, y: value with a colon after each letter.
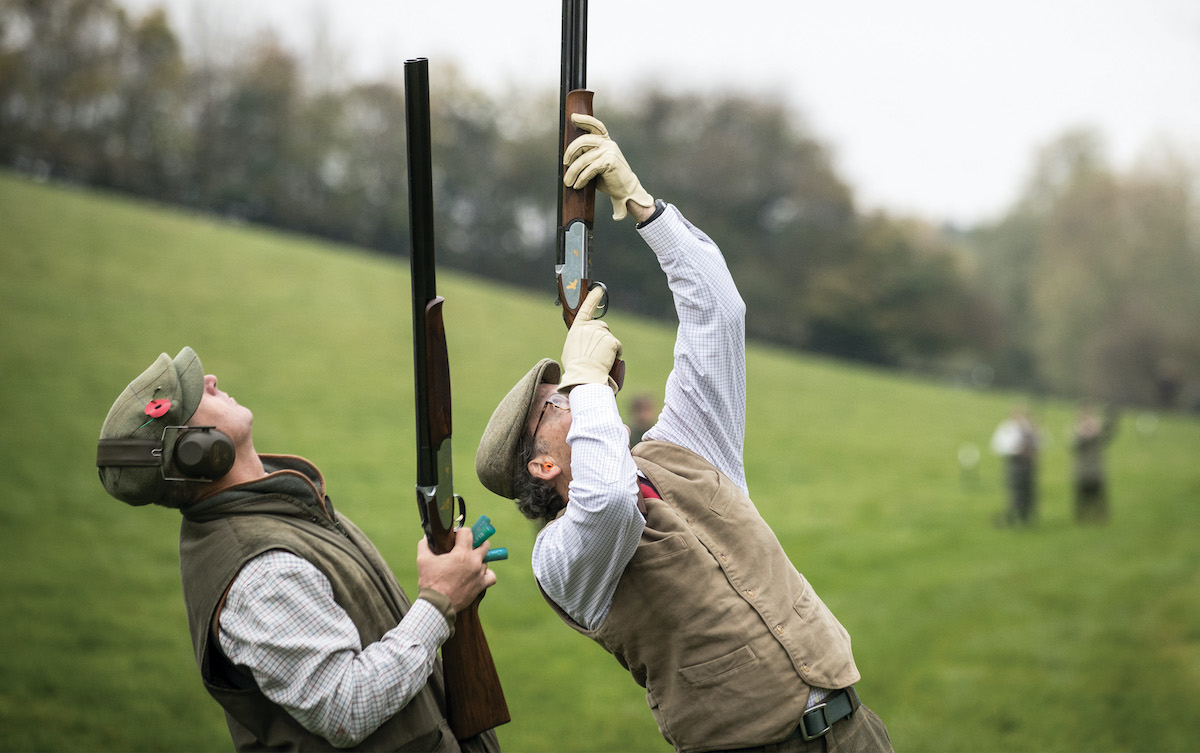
x: 602, y: 307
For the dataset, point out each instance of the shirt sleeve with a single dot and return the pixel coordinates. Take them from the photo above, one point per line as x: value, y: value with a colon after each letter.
x: 704, y: 405
x: 579, y: 558
x: 280, y: 620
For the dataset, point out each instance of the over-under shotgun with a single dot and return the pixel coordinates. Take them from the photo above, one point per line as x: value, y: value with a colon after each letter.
x: 474, y: 699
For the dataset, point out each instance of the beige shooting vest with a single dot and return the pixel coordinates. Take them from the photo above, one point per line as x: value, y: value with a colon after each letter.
x: 712, y: 618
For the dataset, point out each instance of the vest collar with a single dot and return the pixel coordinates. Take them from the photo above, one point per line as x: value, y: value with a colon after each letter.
x: 290, y: 481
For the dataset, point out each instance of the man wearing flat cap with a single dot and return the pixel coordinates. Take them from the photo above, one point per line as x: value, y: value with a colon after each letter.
x: 300, y: 630
x: 658, y: 554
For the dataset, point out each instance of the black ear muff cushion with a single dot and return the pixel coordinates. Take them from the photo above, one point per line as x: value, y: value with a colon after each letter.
x: 204, y: 453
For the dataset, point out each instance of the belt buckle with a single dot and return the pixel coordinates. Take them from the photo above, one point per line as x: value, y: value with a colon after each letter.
x: 819, y: 708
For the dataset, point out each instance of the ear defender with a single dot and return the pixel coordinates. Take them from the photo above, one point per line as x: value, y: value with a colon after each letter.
x: 201, y: 453
x: 204, y: 453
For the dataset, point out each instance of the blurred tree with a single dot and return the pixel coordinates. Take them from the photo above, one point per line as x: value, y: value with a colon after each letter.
x: 247, y: 110
x: 1007, y: 252
x: 58, y: 99
x: 816, y: 274
x: 910, y: 295
x: 757, y: 182
x: 362, y: 166
x: 253, y: 135
x: 1097, y: 273
x: 148, y: 148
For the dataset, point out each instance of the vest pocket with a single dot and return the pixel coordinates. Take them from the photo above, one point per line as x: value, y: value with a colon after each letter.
x: 713, y: 670
x: 818, y: 623
x: 820, y: 644
x: 659, y: 718
x: 721, y: 498
x: 656, y: 545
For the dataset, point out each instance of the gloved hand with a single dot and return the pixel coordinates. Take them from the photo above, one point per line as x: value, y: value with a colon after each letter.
x: 595, y: 155
x: 590, y: 349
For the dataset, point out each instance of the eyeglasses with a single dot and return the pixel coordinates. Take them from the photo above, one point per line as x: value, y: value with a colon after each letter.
x: 557, y: 400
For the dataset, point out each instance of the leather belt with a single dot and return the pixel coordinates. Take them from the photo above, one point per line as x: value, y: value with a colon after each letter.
x: 818, y: 719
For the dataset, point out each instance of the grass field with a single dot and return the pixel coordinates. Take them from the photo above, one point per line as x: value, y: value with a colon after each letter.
x: 969, y: 637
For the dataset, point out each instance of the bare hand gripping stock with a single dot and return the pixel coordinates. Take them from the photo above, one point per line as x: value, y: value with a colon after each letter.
x: 474, y: 699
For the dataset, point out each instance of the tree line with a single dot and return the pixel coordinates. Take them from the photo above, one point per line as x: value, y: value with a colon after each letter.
x: 1086, y: 287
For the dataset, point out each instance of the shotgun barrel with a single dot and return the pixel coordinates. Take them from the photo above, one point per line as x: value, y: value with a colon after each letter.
x: 576, y: 207
x: 474, y: 699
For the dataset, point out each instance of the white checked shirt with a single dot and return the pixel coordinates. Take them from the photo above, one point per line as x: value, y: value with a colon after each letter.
x: 579, y: 558
x: 281, y: 621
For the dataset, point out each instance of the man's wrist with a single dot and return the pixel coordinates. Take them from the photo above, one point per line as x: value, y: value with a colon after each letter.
x: 441, y: 602
x: 646, y: 215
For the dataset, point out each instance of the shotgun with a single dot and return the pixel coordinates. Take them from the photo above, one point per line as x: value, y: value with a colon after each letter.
x: 576, y: 207
x: 474, y: 699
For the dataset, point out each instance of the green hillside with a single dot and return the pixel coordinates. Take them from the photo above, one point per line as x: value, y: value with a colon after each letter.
x: 969, y: 637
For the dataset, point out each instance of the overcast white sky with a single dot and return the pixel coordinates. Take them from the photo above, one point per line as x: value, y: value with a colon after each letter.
x: 930, y: 107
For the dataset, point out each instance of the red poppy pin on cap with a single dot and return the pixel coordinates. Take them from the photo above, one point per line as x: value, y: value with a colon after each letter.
x: 158, y: 408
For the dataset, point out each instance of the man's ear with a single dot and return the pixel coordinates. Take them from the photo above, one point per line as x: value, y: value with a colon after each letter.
x: 544, y: 467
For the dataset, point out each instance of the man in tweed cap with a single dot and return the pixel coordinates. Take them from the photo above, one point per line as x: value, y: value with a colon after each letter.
x: 300, y: 630
x: 658, y: 554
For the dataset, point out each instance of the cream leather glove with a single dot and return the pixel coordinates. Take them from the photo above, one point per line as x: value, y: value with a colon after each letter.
x: 590, y: 349
x: 595, y: 155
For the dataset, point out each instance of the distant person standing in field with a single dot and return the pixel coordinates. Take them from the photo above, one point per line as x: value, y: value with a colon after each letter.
x: 300, y: 630
x: 642, y: 419
x: 1016, y: 440
x: 658, y: 554
x: 1091, y: 437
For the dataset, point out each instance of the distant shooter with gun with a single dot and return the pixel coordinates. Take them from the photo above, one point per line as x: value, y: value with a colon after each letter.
x: 658, y: 554
x: 301, y: 631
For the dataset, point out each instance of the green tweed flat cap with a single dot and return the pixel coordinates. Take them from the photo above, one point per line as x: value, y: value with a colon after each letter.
x: 166, y: 394
x: 496, y: 462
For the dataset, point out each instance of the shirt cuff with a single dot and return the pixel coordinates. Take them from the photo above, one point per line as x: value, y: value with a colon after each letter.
x: 659, y: 206
x: 442, y: 603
